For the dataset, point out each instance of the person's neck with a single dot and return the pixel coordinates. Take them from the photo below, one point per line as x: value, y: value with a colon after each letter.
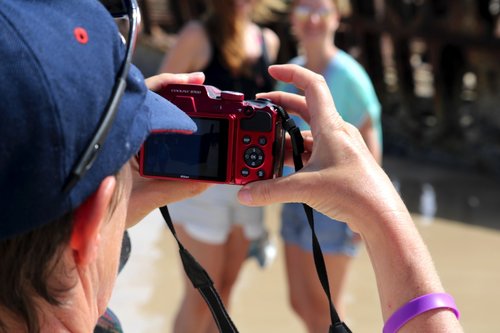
x: 79, y: 307
x: 247, y: 24
x: 51, y: 318
x: 244, y: 17
x: 318, y: 58
x: 78, y: 314
x: 69, y: 317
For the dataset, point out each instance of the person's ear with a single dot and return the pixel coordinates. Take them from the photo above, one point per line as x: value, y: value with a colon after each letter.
x: 88, y: 221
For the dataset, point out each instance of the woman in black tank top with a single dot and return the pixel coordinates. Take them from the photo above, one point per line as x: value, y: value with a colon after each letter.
x: 234, y: 53
x: 257, y: 80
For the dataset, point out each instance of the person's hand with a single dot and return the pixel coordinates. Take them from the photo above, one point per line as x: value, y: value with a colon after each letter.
x: 149, y: 194
x: 341, y: 178
x: 161, y: 81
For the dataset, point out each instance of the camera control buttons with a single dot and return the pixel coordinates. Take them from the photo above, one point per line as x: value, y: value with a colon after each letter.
x: 245, y: 172
x: 254, y: 157
x: 261, y: 173
x: 262, y: 140
x: 247, y: 139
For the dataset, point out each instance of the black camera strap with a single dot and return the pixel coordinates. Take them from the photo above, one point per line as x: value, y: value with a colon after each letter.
x: 337, y: 325
x: 202, y: 281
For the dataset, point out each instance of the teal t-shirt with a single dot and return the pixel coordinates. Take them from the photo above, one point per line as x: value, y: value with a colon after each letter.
x: 351, y: 88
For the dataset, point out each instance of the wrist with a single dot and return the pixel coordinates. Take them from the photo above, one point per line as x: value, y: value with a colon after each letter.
x: 418, y: 306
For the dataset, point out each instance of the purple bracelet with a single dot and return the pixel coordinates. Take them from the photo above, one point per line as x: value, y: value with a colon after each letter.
x: 418, y: 306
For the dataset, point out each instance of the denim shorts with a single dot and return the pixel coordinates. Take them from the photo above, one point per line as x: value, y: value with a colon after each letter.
x: 334, y: 237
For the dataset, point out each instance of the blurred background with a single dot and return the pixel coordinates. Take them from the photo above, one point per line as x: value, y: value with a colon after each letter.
x: 435, y: 65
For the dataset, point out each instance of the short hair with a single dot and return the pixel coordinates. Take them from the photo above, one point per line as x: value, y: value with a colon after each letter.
x: 28, y: 261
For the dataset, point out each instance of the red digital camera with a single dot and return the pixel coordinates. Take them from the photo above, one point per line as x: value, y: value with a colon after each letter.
x: 237, y: 141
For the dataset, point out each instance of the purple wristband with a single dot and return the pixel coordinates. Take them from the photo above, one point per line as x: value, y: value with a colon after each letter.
x: 418, y: 306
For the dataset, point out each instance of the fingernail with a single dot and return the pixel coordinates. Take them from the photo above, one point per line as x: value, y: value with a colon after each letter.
x: 245, y: 196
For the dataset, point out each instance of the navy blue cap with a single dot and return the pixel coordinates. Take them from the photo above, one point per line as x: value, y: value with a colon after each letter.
x: 58, y: 64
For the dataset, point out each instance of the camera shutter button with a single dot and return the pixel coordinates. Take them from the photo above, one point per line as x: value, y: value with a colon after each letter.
x: 232, y: 96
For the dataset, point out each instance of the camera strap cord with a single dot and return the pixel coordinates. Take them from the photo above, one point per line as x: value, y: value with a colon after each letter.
x: 337, y: 325
x: 202, y: 281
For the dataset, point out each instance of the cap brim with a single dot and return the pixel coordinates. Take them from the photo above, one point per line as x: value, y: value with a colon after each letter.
x: 165, y: 116
x: 141, y: 112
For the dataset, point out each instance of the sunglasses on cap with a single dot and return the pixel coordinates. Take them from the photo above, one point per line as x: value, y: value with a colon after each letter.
x: 119, y: 9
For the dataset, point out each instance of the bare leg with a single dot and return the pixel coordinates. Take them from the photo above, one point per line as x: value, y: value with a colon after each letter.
x: 223, y: 263
x: 235, y: 252
x: 307, y: 297
x: 194, y: 315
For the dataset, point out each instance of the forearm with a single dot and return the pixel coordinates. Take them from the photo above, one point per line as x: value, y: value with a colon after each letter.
x: 404, y: 270
x: 342, y: 180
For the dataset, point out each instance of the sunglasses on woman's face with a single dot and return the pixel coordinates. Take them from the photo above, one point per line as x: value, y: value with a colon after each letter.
x: 304, y: 13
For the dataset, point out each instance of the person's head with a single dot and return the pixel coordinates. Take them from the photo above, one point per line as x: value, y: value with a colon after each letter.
x: 226, y: 20
x: 60, y: 63
x: 314, y: 21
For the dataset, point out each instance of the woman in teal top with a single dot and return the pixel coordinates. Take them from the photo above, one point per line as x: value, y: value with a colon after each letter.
x: 314, y: 23
x: 353, y: 93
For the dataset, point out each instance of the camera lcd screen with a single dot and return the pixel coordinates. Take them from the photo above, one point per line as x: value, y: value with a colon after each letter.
x: 201, y: 155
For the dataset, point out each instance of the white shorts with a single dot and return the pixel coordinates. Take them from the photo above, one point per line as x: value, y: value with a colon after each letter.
x: 208, y: 217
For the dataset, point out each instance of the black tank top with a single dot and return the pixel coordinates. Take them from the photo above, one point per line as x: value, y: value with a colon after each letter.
x: 259, y: 80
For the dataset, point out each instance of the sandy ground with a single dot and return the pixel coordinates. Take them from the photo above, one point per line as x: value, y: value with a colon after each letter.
x: 467, y: 256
